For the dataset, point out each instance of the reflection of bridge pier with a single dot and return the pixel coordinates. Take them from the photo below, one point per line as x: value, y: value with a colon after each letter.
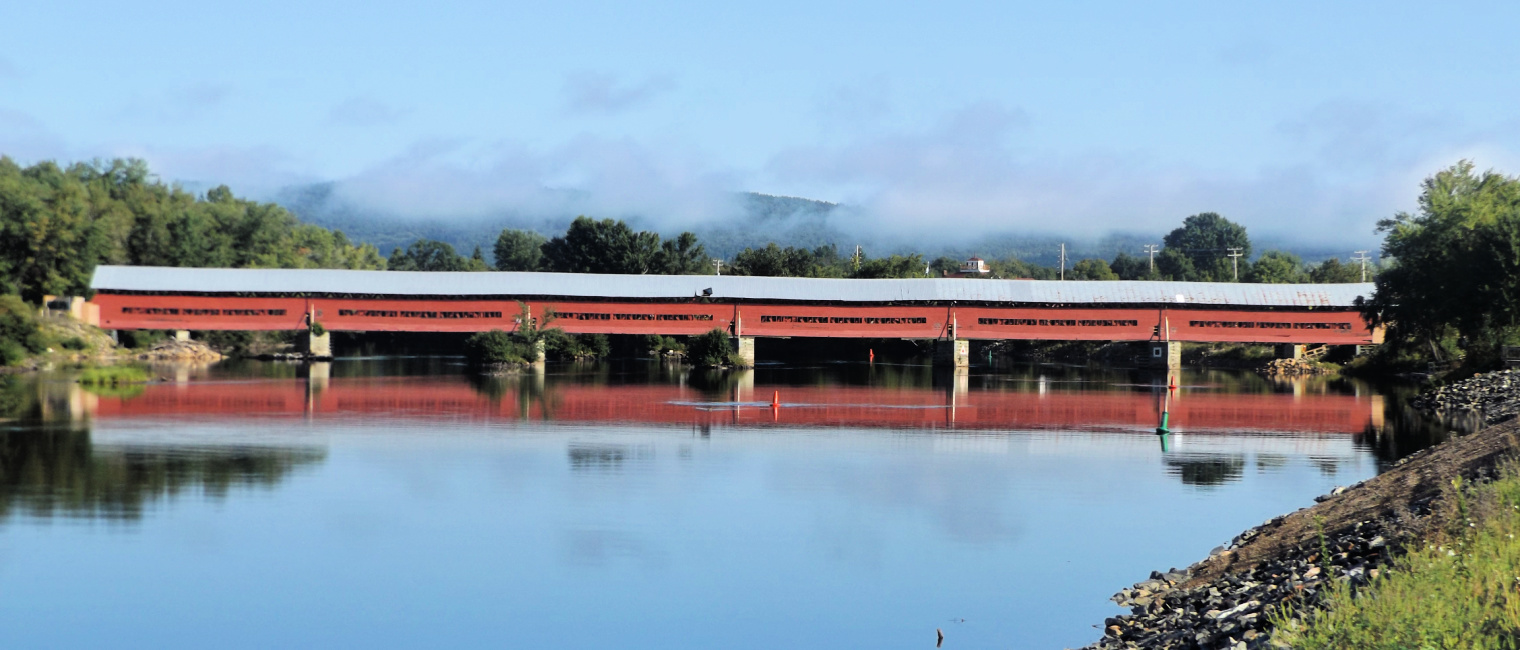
x: 318, y: 373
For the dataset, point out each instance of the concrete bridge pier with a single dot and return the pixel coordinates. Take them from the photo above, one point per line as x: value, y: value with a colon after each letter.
x: 1291, y: 350
x: 319, y: 346
x: 744, y: 346
x: 538, y: 353
x: 1165, y: 354
x: 955, y: 353
x: 181, y: 335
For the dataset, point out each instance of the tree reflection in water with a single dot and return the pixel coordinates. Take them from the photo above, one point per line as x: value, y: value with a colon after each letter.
x: 50, y: 467
x: 1206, y: 469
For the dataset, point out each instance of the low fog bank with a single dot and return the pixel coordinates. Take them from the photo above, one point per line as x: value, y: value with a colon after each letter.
x: 746, y: 219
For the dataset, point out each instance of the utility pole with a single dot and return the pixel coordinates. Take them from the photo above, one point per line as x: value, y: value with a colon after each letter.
x: 1151, y: 250
x: 718, y: 264
x: 1234, y: 256
x: 856, y: 258
x: 1361, y: 256
x: 1063, y: 262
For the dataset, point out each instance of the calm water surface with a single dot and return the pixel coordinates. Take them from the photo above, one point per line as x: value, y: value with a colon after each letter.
x: 397, y: 503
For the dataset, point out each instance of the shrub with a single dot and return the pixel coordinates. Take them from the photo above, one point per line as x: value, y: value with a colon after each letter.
x: 712, y: 350
x: 663, y: 345
x: 74, y: 343
x: 316, y: 328
x: 497, y: 347
x: 1456, y: 589
x: 113, y: 376
x: 19, y: 335
x: 141, y: 339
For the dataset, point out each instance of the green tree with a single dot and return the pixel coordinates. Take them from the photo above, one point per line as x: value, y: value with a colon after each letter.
x: 1457, y: 260
x: 681, y: 256
x: 1276, y: 267
x: 894, y: 266
x: 518, y: 250
x: 1331, y: 271
x: 1130, y: 267
x: 712, y: 349
x: 942, y: 266
x: 1198, y: 250
x: 427, y: 255
x: 19, y: 335
x: 775, y: 261
x: 1092, y: 269
x: 1014, y: 268
x: 476, y: 262
x: 606, y: 246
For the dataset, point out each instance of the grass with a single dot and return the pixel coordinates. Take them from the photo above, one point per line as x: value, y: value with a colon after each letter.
x: 1458, y: 589
x: 113, y: 376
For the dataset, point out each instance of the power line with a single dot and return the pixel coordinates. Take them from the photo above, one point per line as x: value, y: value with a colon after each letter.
x: 1234, y: 256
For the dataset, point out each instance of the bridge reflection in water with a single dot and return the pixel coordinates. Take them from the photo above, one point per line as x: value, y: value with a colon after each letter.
x: 1034, y: 405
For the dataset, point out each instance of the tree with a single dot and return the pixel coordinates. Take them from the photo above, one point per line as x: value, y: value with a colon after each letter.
x: 57, y: 224
x: 775, y: 261
x: 1457, y: 260
x: 606, y: 246
x: 1092, y: 269
x: 681, y: 256
x: 518, y: 250
x: 895, y: 266
x: 943, y: 266
x: 1204, y: 240
x: 1331, y: 271
x: 1015, y: 269
x: 1130, y: 267
x: 427, y: 255
x: 1276, y: 267
x: 476, y: 262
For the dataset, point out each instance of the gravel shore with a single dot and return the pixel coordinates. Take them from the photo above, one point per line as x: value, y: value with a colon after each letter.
x: 1284, y: 565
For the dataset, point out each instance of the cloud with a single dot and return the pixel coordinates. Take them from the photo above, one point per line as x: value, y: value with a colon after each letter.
x: 599, y: 93
x: 189, y: 102
x: 1360, y: 135
x: 364, y: 111
x: 249, y: 171
x: 1348, y: 166
x: 847, y: 105
x: 655, y: 184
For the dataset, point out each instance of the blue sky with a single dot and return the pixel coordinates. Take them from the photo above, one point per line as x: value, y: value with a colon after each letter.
x: 1298, y: 119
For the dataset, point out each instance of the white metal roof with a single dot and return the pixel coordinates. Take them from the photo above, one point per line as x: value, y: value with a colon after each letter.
x: 579, y: 285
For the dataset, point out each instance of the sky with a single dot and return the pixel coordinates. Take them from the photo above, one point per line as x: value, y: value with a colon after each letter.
x: 1297, y: 119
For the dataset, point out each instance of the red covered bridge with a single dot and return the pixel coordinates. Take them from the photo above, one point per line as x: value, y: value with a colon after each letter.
x: 949, y: 310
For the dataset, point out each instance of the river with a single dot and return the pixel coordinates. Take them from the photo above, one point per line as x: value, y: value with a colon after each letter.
x: 396, y: 502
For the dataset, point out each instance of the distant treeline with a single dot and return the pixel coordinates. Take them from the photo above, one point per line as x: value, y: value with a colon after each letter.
x: 1205, y: 248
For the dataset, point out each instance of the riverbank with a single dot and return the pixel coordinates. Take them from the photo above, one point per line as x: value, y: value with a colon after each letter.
x: 1287, y: 568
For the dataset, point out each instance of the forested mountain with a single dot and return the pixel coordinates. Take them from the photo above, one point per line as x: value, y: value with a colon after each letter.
x: 762, y: 218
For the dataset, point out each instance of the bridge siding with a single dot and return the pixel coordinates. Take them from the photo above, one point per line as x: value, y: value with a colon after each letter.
x: 756, y: 319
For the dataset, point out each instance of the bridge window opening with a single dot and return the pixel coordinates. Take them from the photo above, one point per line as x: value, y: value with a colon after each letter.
x: 388, y: 313
x: 1045, y: 322
x: 849, y: 320
x: 1263, y: 325
x: 570, y: 315
x: 174, y: 311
